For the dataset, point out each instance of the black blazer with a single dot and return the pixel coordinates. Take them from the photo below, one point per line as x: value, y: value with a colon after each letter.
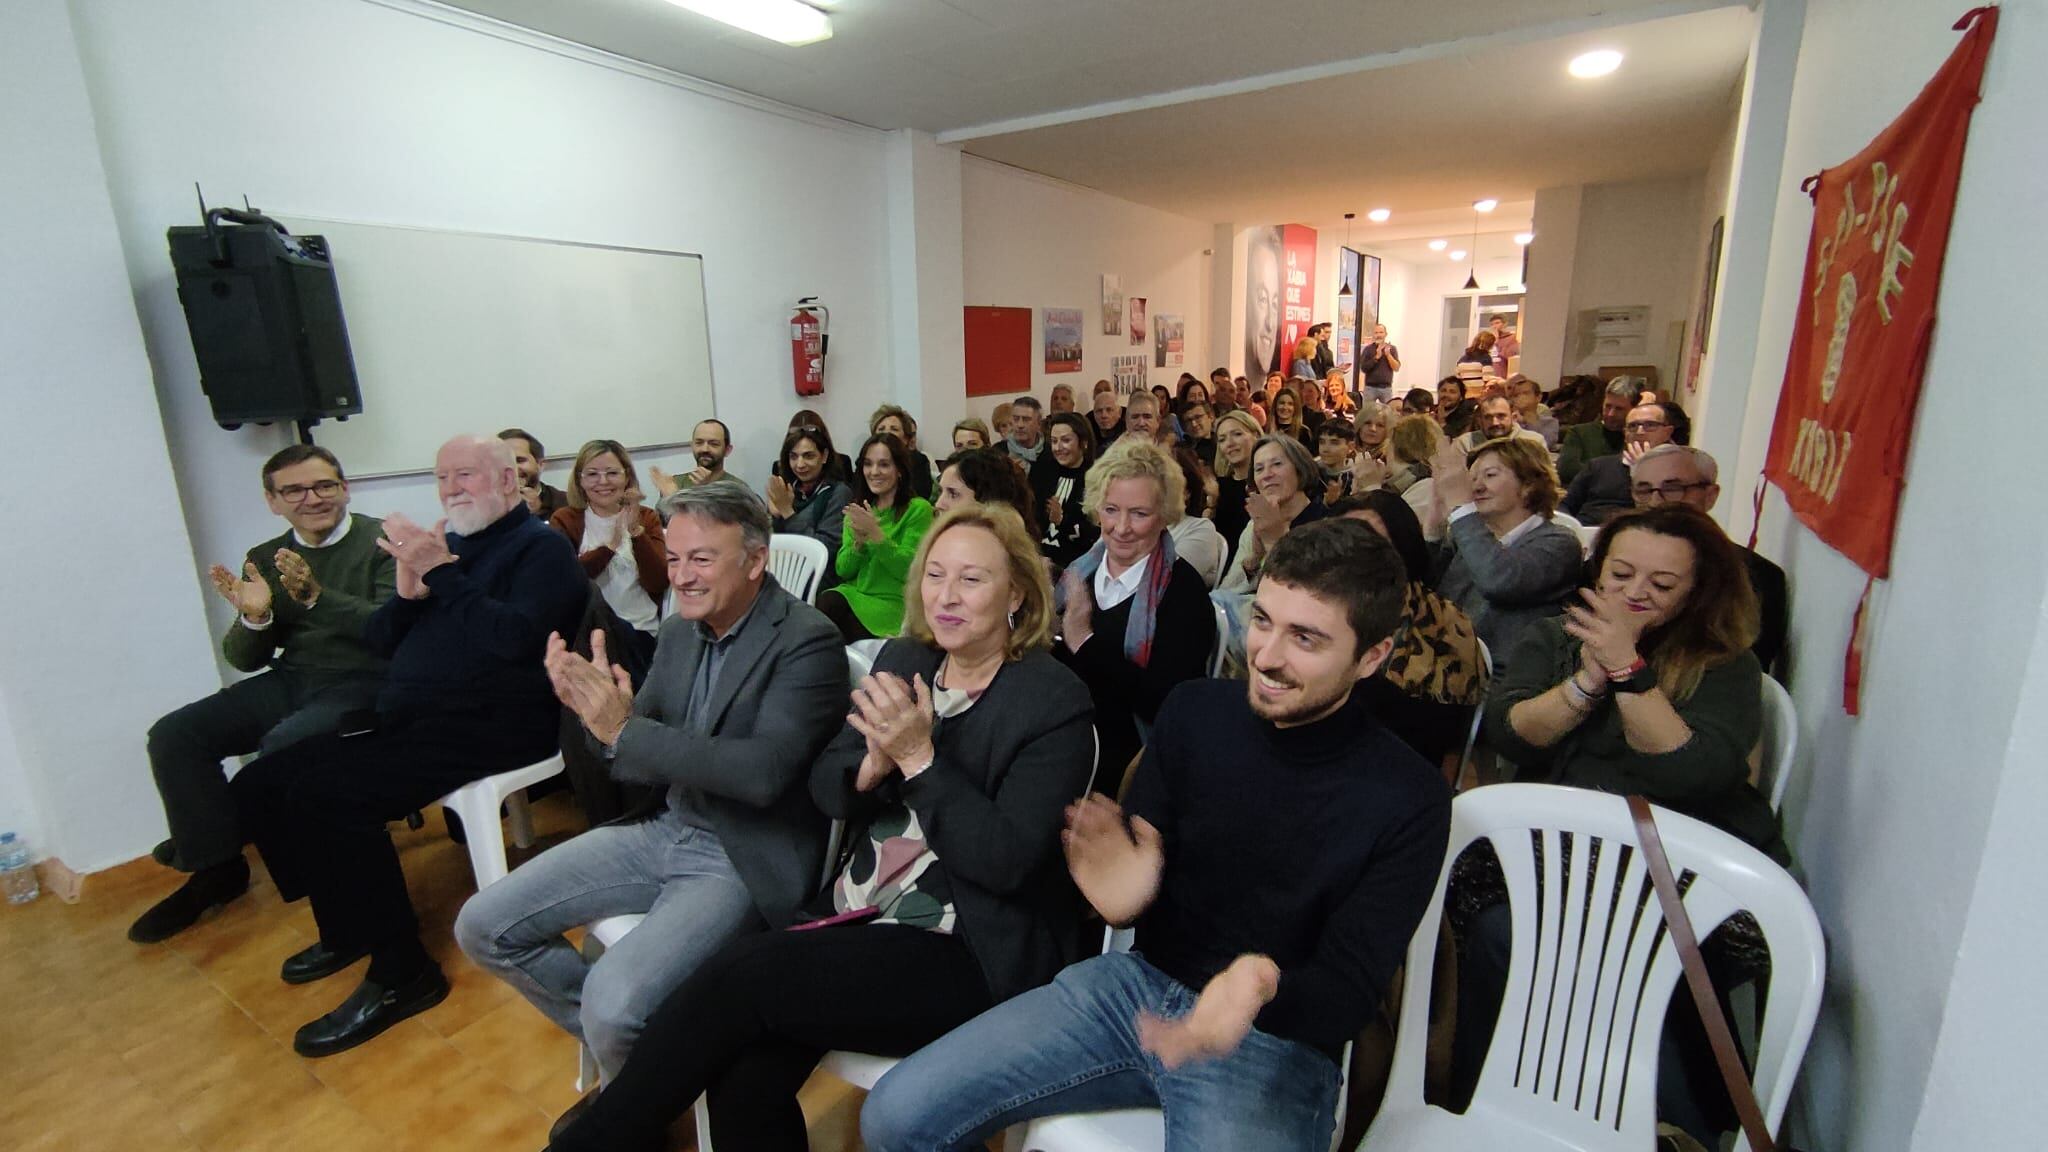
x: 992, y: 805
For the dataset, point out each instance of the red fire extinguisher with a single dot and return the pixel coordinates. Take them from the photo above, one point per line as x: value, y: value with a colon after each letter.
x: 809, y: 334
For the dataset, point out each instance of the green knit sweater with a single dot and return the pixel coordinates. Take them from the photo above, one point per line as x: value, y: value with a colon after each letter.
x: 355, y: 577
x: 872, y: 575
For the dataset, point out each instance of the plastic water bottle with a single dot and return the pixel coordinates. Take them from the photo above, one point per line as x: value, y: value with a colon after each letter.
x: 17, y: 870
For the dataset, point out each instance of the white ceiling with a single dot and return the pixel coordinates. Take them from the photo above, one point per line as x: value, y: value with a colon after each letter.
x: 1424, y: 139
x: 941, y: 65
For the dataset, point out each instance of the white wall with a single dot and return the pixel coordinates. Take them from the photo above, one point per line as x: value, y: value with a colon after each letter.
x: 1546, y: 313
x: 1894, y: 825
x: 1639, y: 243
x: 1425, y: 363
x: 382, y: 114
x: 100, y: 627
x: 1032, y: 242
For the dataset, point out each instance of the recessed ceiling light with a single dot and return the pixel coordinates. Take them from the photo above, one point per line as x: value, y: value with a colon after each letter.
x: 1485, y: 205
x: 1378, y: 215
x: 786, y: 21
x: 1596, y: 63
x: 1524, y: 237
x: 1457, y: 253
x: 1439, y: 245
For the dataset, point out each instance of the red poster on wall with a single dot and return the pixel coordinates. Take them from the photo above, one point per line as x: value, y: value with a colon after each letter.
x: 1298, y: 288
x: 1866, y: 315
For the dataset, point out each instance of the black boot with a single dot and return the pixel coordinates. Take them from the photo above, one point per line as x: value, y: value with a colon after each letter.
x: 208, y: 889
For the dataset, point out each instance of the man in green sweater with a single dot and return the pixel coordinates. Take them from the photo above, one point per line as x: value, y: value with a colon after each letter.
x: 301, y: 601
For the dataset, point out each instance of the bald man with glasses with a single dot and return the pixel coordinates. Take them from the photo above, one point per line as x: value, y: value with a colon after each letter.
x: 300, y: 601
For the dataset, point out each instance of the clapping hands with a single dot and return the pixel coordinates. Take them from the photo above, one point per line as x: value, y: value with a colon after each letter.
x: 599, y: 692
x: 250, y: 595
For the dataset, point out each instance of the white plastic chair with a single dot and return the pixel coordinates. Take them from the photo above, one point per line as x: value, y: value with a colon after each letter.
x: 798, y: 563
x: 1573, y: 1062
x: 1780, y: 742
x: 1570, y: 521
x: 1589, y: 535
x: 1221, y: 648
x: 476, y: 803
x: 1478, y: 712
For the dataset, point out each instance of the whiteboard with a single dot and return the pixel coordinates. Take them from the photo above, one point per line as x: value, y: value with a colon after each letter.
x: 462, y: 332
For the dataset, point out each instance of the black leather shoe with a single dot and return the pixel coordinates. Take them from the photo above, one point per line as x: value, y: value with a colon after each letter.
x: 317, y: 963
x: 204, y: 892
x: 368, y: 1011
x: 165, y: 852
x: 574, y: 1113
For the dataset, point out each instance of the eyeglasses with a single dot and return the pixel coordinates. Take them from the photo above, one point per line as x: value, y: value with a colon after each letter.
x: 297, y: 493
x: 1669, y: 490
x: 596, y: 476
x: 1645, y: 425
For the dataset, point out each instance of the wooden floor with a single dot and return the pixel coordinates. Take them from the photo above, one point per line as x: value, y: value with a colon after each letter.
x: 186, y: 1046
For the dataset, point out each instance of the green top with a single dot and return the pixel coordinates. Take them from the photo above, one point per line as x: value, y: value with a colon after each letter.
x: 872, y: 575
x: 1707, y: 778
x: 327, y: 639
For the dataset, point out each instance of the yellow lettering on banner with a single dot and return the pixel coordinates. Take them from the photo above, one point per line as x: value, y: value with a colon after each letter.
x: 1801, y: 447
x: 1834, y: 482
x: 1896, y: 257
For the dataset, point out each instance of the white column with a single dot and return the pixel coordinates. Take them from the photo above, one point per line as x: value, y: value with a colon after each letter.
x: 925, y: 273
x: 1547, y: 305
x: 1754, y: 184
x: 101, y: 624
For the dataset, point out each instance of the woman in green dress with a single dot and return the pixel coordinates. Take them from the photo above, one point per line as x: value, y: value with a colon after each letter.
x: 884, y: 525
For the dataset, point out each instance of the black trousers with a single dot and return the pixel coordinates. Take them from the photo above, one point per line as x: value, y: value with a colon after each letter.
x: 833, y: 604
x: 317, y: 812
x: 261, y: 714
x: 751, y: 1024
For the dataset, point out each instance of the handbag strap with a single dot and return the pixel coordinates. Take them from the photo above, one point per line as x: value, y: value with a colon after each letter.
x: 1680, y: 926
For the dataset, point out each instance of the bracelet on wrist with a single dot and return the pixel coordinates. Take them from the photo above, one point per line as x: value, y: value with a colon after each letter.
x: 1638, y: 667
x: 1575, y: 697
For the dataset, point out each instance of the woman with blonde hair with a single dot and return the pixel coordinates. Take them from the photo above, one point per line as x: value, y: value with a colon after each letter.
x: 618, y: 539
x: 962, y: 750
x: 1237, y: 434
x: 1303, y: 364
x: 1135, y: 618
x: 1286, y: 418
x: 1506, y: 562
x: 972, y: 433
x: 1410, y: 449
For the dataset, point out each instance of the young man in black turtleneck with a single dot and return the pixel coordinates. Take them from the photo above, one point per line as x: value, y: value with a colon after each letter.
x: 1279, y: 849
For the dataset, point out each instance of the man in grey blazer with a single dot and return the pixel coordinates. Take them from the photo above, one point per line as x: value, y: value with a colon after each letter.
x: 747, y: 687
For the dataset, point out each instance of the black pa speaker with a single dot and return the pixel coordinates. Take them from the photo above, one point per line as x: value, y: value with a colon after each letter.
x: 265, y: 317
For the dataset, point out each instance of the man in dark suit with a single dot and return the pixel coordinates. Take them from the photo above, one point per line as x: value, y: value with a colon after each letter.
x: 747, y: 687
x: 465, y: 698
x: 1690, y: 476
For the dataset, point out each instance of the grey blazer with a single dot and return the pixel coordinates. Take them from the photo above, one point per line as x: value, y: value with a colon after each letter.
x: 1504, y: 590
x: 823, y: 518
x: 780, y: 698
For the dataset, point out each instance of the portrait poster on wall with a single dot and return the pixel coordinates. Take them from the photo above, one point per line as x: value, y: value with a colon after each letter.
x: 1127, y: 373
x: 1169, y: 341
x: 1279, y: 295
x: 1344, y: 337
x: 1112, y: 305
x: 1062, y: 340
x: 1137, y: 310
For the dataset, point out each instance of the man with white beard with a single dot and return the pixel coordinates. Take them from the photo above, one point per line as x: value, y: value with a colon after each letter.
x: 467, y: 696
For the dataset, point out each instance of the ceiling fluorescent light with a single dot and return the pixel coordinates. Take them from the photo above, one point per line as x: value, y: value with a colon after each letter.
x: 1594, y: 64
x: 1524, y: 237
x: 1378, y: 215
x: 1485, y: 205
x: 1457, y: 254
x: 786, y: 21
x: 1439, y: 245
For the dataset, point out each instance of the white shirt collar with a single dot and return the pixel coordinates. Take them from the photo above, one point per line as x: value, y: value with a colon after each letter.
x: 340, y: 530
x: 1508, y: 539
x: 1112, y: 591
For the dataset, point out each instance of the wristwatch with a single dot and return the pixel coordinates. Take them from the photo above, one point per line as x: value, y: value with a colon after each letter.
x: 1637, y: 677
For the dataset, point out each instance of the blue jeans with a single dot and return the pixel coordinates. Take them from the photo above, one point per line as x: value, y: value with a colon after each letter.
x: 678, y: 875
x: 1072, y: 1046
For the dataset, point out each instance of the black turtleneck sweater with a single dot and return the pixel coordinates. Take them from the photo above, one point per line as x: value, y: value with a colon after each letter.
x: 474, y: 644
x: 1318, y: 846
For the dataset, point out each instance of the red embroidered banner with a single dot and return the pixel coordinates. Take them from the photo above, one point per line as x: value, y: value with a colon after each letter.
x: 1866, y: 313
